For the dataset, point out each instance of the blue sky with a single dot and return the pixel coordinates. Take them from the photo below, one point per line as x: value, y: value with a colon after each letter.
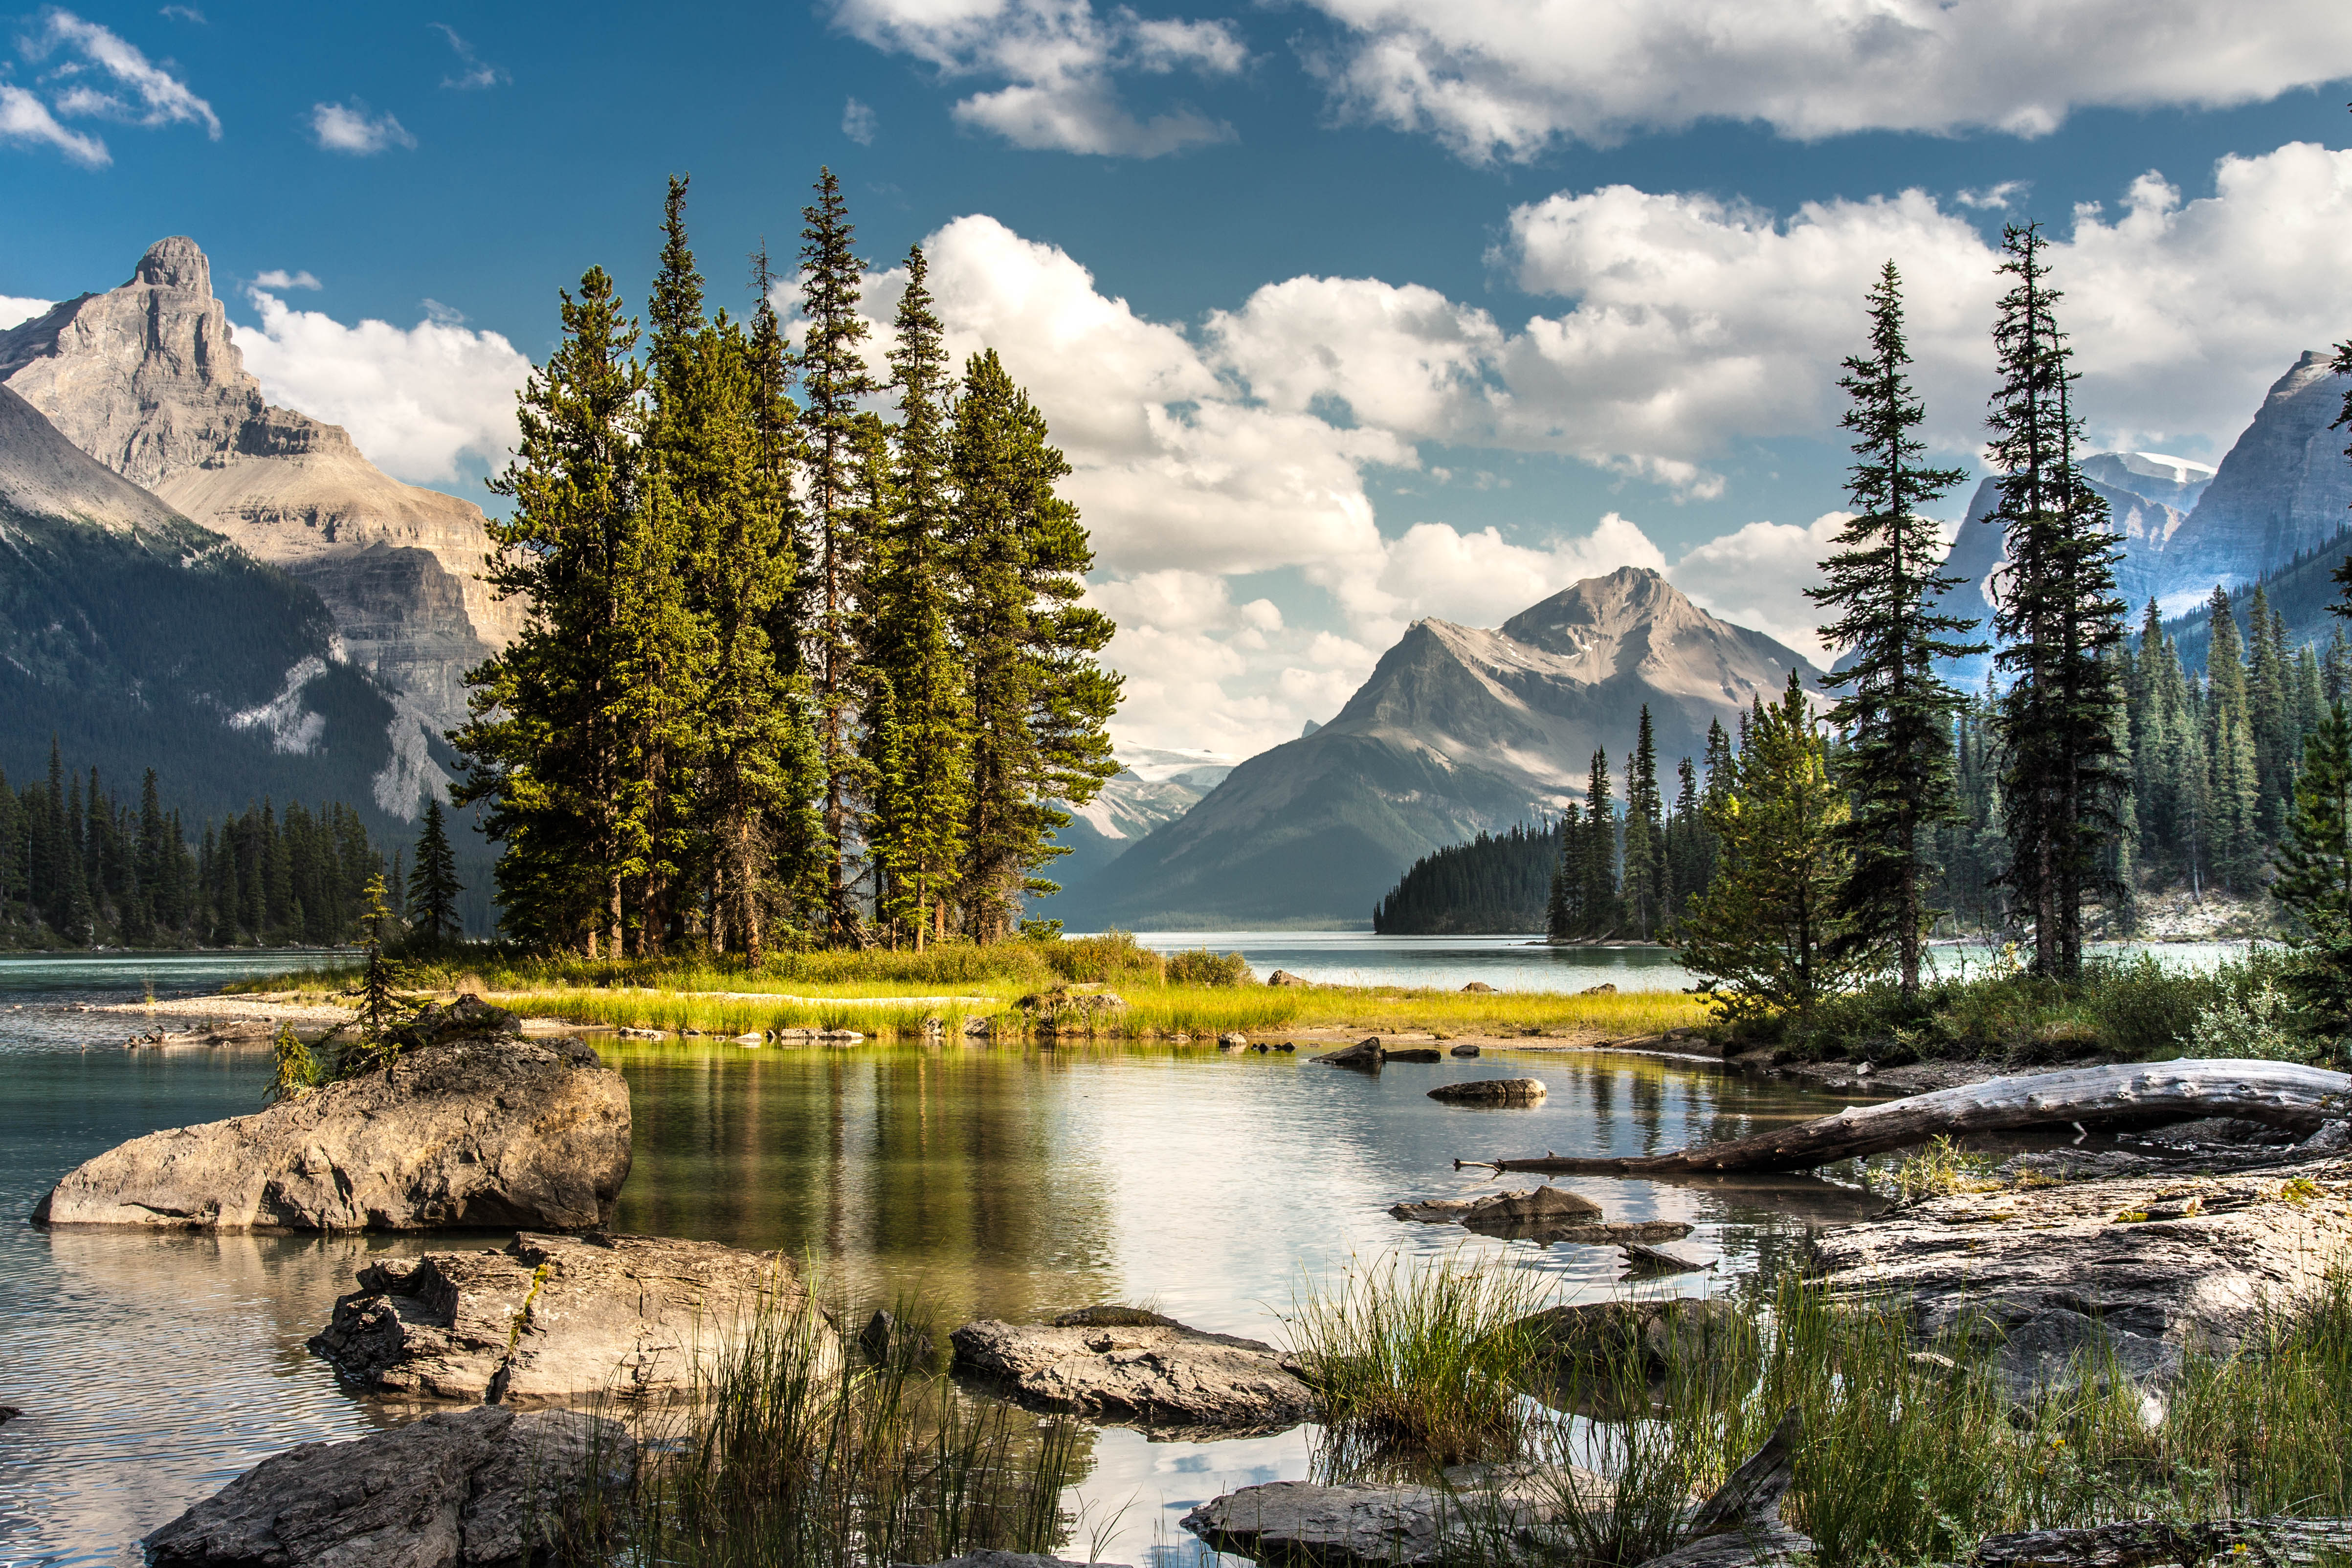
x: 1316, y: 294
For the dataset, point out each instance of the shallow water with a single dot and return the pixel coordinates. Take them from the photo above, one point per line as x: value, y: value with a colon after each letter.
x: 995, y: 1182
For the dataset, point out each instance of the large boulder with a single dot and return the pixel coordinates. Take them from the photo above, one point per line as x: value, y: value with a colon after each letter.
x: 1481, y: 1514
x: 555, y: 1317
x: 1364, y: 1053
x: 2143, y: 1267
x: 1176, y: 1381
x: 460, y: 1489
x: 1491, y: 1091
x: 469, y: 1126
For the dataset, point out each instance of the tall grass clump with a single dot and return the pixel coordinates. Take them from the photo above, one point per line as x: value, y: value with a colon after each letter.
x: 1199, y: 967
x: 1421, y: 1361
x: 791, y: 1455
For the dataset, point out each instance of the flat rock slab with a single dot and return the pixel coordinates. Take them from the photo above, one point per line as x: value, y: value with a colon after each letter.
x: 553, y: 1317
x: 1491, y: 1091
x: 1164, y: 1376
x: 2146, y: 1265
x: 1364, y: 1523
x: 492, y: 1132
x: 459, y: 1490
x: 1543, y: 1203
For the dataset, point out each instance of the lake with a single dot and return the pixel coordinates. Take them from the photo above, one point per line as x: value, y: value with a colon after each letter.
x: 995, y: 1182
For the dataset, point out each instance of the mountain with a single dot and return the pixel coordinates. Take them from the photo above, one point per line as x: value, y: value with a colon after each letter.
x: 1456, y: 730
x: 138, y: 639
x: 147, y: 379
x: 2283, y: 491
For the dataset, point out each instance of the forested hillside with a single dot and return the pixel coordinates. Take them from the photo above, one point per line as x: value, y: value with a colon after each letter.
x: 1497, y: 882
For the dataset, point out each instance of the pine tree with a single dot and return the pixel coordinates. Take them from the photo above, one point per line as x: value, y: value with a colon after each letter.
x: 432, y: 884
x: 2315, y: 877
x: 834, y: 382
x: 2231, y: 761
x: 1895, y: 712
x: 1039, y: 698
x: 1769, y: 926
x: 2058, y: 616
x: 919, y: 735
x: 2270, y: 712
x: 549, y: 745
x: 1645, y: 862
x: 1599, y: 909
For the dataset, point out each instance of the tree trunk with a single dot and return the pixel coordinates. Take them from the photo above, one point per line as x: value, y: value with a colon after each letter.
x: 2278, y: 1092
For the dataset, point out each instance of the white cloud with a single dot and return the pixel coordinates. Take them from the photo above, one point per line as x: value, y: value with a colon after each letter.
x: 13, y: 311
x: 474, y: 73
x: 1058, y: 60
x: 162, y: 98
x: 858, y: 122
x: 1996, y: 198
x: 1507, y: 78
x: 1757, y: 577
x: 183, y: 14
x: 349, y: 128
x: 418, y: 401
x: 279, y: 279
x: 24, y: 118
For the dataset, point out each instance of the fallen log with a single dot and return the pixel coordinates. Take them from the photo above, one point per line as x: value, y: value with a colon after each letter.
x: 2279, y: 1093
x: 2151, y: 1543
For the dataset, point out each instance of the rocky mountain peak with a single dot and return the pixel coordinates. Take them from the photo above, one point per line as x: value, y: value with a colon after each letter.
x: 1632, y: 598
x: 175, y: 262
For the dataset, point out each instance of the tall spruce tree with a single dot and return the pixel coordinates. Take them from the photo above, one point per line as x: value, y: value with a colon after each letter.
x: 1896, y: 713
x: 1599, y: 910
x: 2058, y: 616
x: 1039, y: 698
x: 432, y: 884
x: 917, y: 734
x: 1646, y: 878
x: 834, y: 386
x: 2314, y: 878
x: 548, y: 746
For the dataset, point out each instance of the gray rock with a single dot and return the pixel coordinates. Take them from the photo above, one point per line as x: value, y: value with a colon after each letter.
x: 467, y: 1489
x: 1479, y: 988
x: 2141, y: 1267
x: 486, y: 1131
x: 1234, y: 1041
x: 885, y: 1341
x: 1010, y: 1560
x: 1647, y: 1263
x: 1368, y: 1524
x: 1465, y: 1048
x: 1285, y: 977
x: 1543, y: 1203
x: 1605, y: 989
x: 1416, y: 1053
x: 1364, y: 1053
x: 1596, y: 1335
x: 1491, y: 1091
x: 1174, y: 1380
x: 553, y: 1317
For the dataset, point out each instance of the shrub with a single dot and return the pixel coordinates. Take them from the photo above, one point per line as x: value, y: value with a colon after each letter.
x: 1110, y: 959
x: 1199, y: 967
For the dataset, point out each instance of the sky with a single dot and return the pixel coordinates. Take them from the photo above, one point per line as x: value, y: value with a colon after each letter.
x: 1346, y: 312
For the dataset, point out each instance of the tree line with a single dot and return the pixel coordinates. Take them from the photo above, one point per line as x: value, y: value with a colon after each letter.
x: 81, y: 865
x: 804, y: 661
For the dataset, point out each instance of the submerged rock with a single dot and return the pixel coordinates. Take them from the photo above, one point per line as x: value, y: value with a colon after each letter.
x: 465, y: 1489
x: 553, y: 1317
x: 1509, y: 1208
x: 2141, y: 1268
x: 1158, y: 1375
x: 470, y: 1125
x: 1465, y: 1048
x: 1491, y: 1091
x: 1416, y: 1053
x: 1363, y: 1053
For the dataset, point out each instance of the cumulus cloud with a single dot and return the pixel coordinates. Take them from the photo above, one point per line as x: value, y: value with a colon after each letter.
x: 858, y: 122
x: 279, y: 279
x: 26, y: 119
x: 89, y: 54
x: 474, y: 73
x: 13, y: 311
x: 1757, y: 576
x: 419, y: 401
x: 349, y: 128
x: 1058, y: 60
x: 1507, y: 78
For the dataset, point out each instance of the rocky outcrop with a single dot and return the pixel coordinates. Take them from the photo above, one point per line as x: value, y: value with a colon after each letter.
x: 555, y: 1317
x: 2284, y: 488
x: 2143, y: 1267
x: 491, y: 1129
x: 474, y: 1489
x: 1159, y: 1375
x: 148, y: 379
x: 1481, y: 1514
x: 1491, y: 1091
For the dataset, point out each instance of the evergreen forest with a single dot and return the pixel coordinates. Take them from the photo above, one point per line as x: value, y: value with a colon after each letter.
x: 84, y: 865
x: 1497, y: 882
x: 804, y: 663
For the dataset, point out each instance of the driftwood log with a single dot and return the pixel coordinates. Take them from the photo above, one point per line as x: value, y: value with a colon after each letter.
x: 2148, y: 1543
x: 2278, y: 1092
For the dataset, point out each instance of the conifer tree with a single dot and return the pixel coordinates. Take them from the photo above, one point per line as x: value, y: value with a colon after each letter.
x: 432, y: 884
x: 918, y: 732
x: 1895, y: 712
x: 1646, y: 867
x: 2233, y: 764
x: 1599, y: 909
x: 1039, y: 698
x: 2058, y: 616
x: 547, y: 745
x: 2315, y: 877
x: 834, y: 382
x: 1769, y: 926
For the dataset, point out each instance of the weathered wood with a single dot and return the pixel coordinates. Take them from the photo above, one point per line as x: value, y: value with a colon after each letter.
x: 2279, y: 1093
x: 2150, y: 1543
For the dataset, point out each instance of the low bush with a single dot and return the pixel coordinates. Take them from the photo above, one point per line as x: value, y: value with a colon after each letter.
x: 1199, y: 967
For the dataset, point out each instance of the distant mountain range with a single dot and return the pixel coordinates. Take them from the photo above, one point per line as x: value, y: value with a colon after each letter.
x: 229, y: 591
x: 1457, y: 729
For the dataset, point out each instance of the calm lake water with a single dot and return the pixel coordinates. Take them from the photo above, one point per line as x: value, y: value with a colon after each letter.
x: 994, y: 1181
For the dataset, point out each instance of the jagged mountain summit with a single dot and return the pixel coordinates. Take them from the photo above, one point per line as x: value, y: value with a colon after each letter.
x: 1457, y: 729
x: 147, y: 379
